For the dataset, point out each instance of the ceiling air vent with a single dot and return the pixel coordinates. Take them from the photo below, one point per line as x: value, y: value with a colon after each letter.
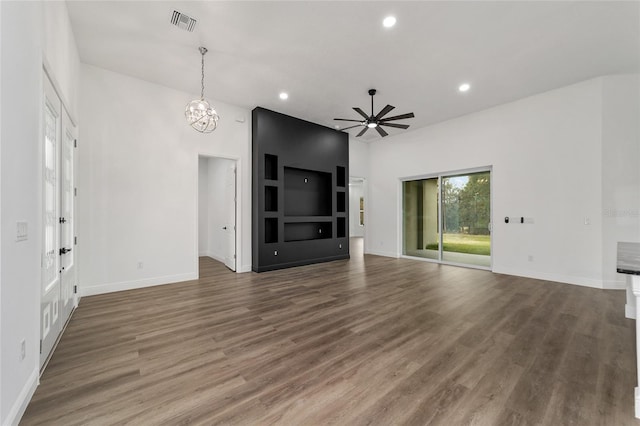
x: 183, y: 21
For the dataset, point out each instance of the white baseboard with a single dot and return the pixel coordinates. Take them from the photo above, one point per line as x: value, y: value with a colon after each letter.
x: 629, y: 311
x: 244, y: 268
x: 566, y: 279
x: 20, y: 406
x: 382, y: 253
x: 131, y: 285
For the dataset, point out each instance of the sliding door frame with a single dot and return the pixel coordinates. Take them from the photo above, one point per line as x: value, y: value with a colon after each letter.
x: 440, y: 176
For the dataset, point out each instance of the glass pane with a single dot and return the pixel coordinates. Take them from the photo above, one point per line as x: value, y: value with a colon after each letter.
x: 420, y: 218
x: 466, y: 219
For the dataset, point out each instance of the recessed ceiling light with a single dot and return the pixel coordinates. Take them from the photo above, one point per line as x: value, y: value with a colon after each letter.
x: 389, y: 21
x: 464, y: 87
x: 284, y: 96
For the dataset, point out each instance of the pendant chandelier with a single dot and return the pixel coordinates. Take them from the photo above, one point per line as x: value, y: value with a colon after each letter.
x: 199, y: 112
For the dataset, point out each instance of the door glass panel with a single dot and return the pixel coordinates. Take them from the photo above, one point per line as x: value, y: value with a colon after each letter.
x: 420, y: 218
x: 466, y: 215
x: 50, y: 261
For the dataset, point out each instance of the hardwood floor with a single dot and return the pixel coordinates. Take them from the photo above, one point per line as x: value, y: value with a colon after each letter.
x: 372, y: 340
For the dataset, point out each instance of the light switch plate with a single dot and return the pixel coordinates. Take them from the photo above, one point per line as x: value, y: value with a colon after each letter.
x: 22, y: 231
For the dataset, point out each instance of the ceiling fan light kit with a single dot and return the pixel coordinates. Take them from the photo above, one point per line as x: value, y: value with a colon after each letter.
x: 199, y: 113
x: 376, y: 121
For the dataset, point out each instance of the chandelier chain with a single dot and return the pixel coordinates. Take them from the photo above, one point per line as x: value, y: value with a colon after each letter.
x: 202, y: 80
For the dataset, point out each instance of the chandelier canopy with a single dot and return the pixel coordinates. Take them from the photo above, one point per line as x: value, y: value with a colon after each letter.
x: 199, y: 113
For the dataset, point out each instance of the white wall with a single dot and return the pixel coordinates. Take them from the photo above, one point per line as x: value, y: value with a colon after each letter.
x: 20, y: 135
x: 139, y: 181
x: 60, y: 54
x: 358, y: 158
x: 32, y: 34
x: 546, y: 153
x: 620, y: 170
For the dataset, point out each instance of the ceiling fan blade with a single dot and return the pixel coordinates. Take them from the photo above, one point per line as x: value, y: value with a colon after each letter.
x: 361, y: 112
x: 399, y: 126
x: 347, y: 119
x: 381, y: 131
x: 386, y: 110
x: 362, y: 132
x: 351, y: 127
x: 399, y: 117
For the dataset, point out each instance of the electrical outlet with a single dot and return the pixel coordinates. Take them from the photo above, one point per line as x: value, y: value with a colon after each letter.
x: 140, y: 265
x: 22, y: 231
x: 23, y: 349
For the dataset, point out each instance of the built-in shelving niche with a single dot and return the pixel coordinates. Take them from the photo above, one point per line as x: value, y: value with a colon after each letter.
x: 307, y: 192
x: 270, y: 230
x: 270, y: 198
x: 304, y: 231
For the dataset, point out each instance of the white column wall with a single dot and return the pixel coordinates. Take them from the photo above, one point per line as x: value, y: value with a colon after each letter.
x: 139, y: 181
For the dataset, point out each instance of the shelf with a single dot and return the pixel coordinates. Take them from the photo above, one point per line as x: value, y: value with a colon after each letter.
x: 341, y: 203
x: 271, y: 167
x: 341, y: 177
x: 342, y: 227
x: 299, y: 219
x: 305, y: 231
x: 270, y: 198
x: 270, y: 230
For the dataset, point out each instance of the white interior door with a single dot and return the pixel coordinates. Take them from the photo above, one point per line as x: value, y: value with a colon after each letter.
x: 230, y: 222
x: 50, y: 322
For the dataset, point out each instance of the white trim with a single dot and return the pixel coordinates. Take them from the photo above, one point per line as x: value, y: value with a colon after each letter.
x: 213, y: 256
x: 20, y: 406
x: 383, y: 253
x: 244, y: 268
x: 630, y: 312
x: 637, y: 402
x: 91, y: 290
x: 444, y: 262
x: 566, y: 279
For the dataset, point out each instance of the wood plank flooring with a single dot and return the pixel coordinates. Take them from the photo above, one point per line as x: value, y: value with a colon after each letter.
x: 371, y: 340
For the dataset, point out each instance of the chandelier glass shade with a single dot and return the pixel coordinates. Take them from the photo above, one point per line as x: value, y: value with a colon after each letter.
x: 199, y: 113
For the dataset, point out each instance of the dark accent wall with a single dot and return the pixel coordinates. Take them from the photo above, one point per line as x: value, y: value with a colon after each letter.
x: 300, y: 192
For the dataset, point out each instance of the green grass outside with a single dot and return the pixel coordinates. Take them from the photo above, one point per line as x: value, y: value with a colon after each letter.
x: 464, y: 243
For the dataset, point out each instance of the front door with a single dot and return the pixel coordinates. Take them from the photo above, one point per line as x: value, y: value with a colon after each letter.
x: 58, y: 256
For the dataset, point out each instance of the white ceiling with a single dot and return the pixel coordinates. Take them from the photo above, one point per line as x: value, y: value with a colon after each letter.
x: 326, y: 55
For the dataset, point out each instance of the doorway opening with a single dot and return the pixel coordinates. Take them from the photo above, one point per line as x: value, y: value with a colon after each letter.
x: 447, y: 218
x: 357, y: 224
x: 217, y: 209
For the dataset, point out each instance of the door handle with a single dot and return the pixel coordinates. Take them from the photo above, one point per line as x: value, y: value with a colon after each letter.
x: 224, y: 227
x: 64, y: 250
x: 63, y: 220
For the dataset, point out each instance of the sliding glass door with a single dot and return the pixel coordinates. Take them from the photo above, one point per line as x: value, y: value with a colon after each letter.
x: 448, y: 218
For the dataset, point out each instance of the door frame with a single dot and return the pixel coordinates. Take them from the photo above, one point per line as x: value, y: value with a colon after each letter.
x: 365, y: 195
x: 238, y: 206
x: 65, y: 115
x: 439, y: 176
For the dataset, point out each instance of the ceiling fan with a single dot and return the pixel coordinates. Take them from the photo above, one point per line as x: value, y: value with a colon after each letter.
x: 376, y: 121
